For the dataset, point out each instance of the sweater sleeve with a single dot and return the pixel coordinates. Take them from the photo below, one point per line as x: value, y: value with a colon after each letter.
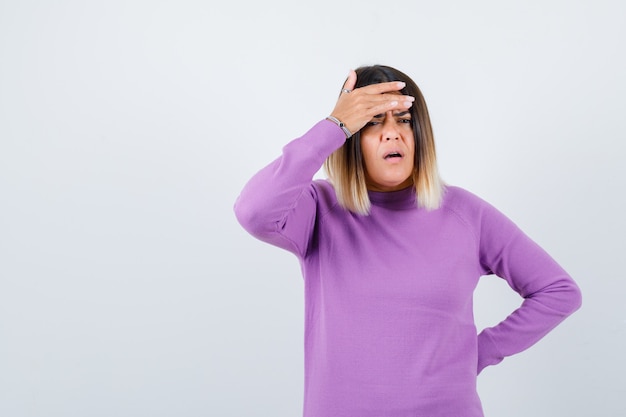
x: 278, y: 204
x: 549, y: 293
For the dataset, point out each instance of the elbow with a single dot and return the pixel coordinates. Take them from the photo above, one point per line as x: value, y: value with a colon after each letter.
x: 250, y: 218
x: 570, y: 296
x: 244, y: 214
x: 576, y: 297
x: 563, y: 297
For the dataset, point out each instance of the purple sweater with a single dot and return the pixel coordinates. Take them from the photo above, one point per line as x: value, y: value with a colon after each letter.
x: 389, y: 328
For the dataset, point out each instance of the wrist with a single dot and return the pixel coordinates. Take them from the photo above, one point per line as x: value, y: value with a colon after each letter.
x: 341, y: 125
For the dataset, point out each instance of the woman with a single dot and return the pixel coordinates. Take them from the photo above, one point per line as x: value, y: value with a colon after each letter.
x: 391, y: 257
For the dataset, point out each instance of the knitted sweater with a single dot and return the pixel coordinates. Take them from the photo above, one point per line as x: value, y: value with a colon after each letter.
x: 389, y: 328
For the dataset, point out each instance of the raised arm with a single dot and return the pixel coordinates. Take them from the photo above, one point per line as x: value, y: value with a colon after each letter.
x: 278, y: 204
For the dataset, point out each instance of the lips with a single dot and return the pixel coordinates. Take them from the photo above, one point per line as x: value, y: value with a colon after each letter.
x: 393, y: 154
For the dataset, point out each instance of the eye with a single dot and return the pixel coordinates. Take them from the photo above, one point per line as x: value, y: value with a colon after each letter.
x: 372, y: 123
x: 405, y: 120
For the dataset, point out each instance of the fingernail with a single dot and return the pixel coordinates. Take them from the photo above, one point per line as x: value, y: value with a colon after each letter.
x: 401, y: 84
x: 393, y: 103
x: 410, y: 98
x: 408, y: 104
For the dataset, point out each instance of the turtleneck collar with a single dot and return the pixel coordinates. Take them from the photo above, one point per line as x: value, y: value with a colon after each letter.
x: 401, y: 199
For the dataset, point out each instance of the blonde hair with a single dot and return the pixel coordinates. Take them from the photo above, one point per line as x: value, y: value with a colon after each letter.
x: 345, y: 167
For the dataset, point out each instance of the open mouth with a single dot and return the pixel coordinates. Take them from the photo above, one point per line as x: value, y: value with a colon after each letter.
x: 393, y: 154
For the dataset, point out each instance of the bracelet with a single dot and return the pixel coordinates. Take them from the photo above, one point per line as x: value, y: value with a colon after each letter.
x: 341, y: 125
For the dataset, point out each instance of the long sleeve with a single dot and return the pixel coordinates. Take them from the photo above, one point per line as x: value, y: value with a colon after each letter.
x: 278, y: 204
x: 550, y: 294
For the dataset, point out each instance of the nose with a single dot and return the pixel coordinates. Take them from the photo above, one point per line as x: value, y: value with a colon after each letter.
x: 390, y: 129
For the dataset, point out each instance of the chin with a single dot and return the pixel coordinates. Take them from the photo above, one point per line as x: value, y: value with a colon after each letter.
x: 389, y: 183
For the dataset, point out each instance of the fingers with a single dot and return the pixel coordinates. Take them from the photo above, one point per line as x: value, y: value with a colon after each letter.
x: 350, y: 81
x: 356, y: 107
x: 385, y: 87
x: 379, y: 88
x: 379, y: 99
x: 390, y: 102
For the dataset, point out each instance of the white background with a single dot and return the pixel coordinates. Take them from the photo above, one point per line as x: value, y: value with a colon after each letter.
x: 127, y: 129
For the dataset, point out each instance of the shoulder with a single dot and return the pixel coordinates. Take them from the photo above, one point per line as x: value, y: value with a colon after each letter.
x: 471, y: 208
x: 323, y: 188
x: 461, y: 200
x: 480, y: 215
x: 325, y: 195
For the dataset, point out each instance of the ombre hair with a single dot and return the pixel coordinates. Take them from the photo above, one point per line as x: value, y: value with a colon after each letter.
x: 346, y: 169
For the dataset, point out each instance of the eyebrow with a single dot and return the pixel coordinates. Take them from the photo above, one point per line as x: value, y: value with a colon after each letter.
x: 378, y: 116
